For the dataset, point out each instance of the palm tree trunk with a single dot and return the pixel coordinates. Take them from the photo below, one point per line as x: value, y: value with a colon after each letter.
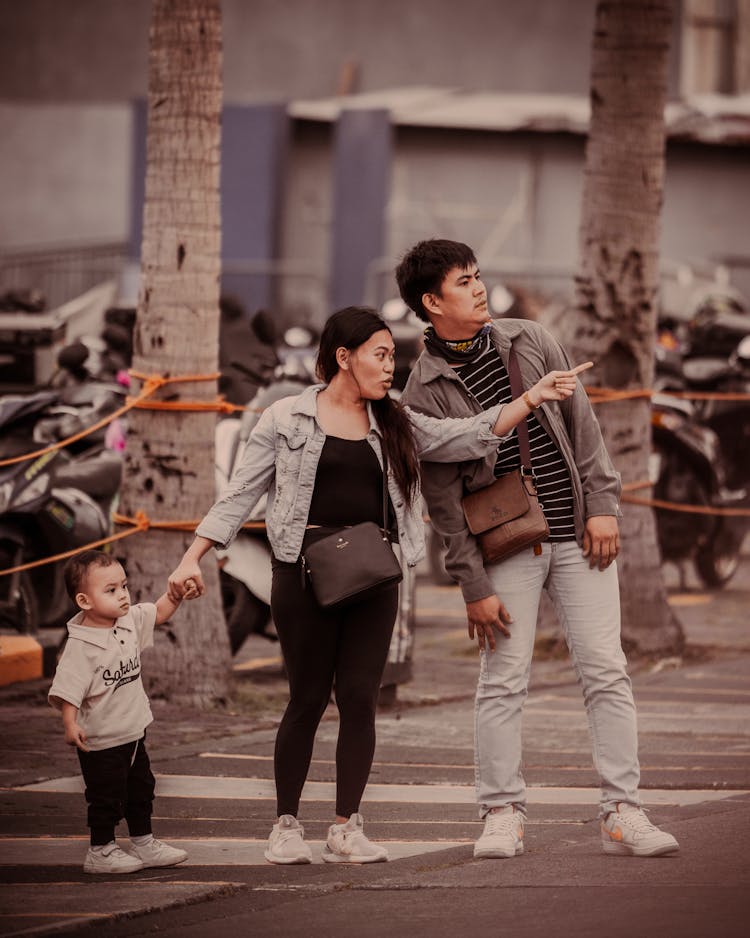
x: 618, y: 279
x: 169, y: 471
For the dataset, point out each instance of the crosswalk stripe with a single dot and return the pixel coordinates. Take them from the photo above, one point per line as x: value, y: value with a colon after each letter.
x: 229, y: 851
x: 203, y: 786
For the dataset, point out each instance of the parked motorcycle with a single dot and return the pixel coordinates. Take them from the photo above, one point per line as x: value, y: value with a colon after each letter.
x: 277, y: 370
x: 49, y: 504
x: 701, y: 447
x: 687, y: 467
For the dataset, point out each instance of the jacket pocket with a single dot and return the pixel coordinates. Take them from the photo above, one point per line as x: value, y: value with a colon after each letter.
x: 290, y: 442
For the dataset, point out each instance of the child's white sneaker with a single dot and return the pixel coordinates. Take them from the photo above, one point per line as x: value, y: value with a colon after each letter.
x: 286, y: 843
x: 156, y: 853
x: 347, y: 844
x: 110, y: 859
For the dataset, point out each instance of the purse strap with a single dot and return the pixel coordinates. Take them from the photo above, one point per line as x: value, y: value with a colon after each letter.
x: 516, y: 389
x: 385, y: 490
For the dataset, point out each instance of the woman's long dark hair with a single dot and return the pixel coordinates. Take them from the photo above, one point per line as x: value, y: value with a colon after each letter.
x: 349, y: 328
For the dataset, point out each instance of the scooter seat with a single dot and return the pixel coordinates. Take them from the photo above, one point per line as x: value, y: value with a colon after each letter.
x: 98, y: 474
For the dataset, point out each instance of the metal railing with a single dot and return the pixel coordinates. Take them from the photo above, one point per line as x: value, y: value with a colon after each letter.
x: 61, y: 273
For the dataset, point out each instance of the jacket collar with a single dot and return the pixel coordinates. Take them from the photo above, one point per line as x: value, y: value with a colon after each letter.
x: 306, y: 404
x: 98, y: 637
x: 429, y: 367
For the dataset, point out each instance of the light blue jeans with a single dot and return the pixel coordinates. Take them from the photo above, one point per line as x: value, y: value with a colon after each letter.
x: 588, y: 605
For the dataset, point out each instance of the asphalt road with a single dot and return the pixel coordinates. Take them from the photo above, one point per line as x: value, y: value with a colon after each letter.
x: 215, y: 797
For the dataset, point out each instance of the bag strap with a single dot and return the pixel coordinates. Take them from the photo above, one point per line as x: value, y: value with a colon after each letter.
x: 516, y: 388
x: 385, y: 488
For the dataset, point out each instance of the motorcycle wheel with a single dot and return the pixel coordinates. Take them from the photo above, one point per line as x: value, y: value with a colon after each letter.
x: 717, y: 561
x: 679, y: 534
x: 23, y: 617
x: 245, y: 614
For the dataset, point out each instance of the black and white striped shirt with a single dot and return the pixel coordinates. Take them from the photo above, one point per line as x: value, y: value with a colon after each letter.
x: 486, y: 377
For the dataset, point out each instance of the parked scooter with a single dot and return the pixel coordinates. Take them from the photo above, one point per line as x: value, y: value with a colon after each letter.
x: 49, y: 504
x: 701, y: 448
x: 278, y: 370
x: 687, y: 467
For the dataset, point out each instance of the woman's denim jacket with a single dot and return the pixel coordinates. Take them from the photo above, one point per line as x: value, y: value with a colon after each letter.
x: 281, y: 458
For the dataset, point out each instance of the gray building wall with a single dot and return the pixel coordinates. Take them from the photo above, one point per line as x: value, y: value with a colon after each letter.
x: 97, y: 50
x: 70, y: 68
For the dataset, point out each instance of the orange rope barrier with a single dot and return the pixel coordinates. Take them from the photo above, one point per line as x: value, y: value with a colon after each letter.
x: 138, y: 526
x: 602, y: 395
x: 141, y: 522
x: 218, y: 404
x: 677, y: 506
x: 151, y: 384
x: 708, y: 395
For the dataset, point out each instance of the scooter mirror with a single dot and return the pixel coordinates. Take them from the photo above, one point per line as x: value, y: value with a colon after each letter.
x: 72, y: 357
x: 298, y: 337
x: 264, y: 327
x: 501, y: 299
x: 742, y: 353
x: 394, y: 310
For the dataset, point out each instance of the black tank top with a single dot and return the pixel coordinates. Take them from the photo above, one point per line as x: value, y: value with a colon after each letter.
x: 348, y: 485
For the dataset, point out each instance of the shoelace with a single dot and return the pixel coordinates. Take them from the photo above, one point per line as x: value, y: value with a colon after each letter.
x: 289, y: 834
x: 638, y: 821
x: 502, y: 823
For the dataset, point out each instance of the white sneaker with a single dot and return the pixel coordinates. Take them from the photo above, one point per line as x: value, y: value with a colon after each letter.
x: 502, y: 835
x: 628, y: 832
x: 347, y: 844
x: 286, y: 844
x: 156, y: 853
x: 110, y: 859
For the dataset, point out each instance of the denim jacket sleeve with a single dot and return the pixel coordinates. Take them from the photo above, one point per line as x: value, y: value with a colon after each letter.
x: 452, y: 439
x: 250, y: 480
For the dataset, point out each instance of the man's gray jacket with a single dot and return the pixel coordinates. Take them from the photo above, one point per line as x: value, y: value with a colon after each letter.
x: 434, y: 388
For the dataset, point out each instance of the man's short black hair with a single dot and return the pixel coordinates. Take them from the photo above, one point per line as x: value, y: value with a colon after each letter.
x: 424, y: 267
x: 77, y: 567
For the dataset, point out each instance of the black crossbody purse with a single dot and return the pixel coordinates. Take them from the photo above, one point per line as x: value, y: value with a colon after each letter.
x: 355, y: 562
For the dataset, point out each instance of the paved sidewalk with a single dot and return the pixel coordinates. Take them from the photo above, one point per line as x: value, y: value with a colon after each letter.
x: 215, y: 798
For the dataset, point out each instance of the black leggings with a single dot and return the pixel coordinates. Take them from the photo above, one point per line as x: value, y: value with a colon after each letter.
x: 320, y: 647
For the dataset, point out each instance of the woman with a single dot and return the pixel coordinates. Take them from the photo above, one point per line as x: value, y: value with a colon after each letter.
x: 319, y: 456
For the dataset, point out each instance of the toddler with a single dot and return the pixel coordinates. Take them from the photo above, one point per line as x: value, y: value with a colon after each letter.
x: 105, y: 710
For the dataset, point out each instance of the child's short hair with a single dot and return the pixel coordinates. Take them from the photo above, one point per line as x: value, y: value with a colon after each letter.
x: 423, y: 269
x: 77, y: 567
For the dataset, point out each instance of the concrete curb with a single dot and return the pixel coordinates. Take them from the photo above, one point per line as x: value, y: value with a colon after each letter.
x: 21, y: 659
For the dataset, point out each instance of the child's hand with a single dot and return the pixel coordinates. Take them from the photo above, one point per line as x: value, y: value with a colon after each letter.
x: 191, y: 589
x: 74, y: 736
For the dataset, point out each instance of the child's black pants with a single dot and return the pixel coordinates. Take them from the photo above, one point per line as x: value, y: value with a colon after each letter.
x: 119, y: 784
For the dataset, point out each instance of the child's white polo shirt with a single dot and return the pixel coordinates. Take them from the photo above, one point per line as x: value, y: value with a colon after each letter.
x: 99, y: 672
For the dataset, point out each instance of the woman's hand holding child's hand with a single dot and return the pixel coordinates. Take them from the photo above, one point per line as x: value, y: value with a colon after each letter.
x: 185, y: 582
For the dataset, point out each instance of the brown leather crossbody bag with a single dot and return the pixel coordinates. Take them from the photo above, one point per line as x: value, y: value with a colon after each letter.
x: 505, y: 517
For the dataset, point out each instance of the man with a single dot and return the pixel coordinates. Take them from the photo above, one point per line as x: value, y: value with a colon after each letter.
x: 463, y: 370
